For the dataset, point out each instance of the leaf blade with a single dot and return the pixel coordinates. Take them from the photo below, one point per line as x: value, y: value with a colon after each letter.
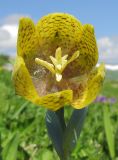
x: 109, y: 131
x: 10, y: 150
x: 73, y: 130
x: 55, y: 131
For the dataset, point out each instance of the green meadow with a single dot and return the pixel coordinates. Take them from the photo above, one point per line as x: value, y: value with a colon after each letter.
x: 23, y: 134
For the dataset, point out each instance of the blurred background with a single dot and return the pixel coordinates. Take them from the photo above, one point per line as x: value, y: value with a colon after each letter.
x: 23, y: 134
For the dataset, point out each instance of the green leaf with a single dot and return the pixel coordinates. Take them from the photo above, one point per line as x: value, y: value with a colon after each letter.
x: 72, y: 132
x: 109, y: 131
x: 10, y: 149
x: 55, y: 131
x: 18, y: 112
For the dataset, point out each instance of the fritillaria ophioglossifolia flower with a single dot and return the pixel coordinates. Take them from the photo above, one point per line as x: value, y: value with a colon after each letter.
x: 55, y: 64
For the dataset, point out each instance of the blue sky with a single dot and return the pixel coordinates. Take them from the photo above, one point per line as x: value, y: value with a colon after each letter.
x: 100, y: 13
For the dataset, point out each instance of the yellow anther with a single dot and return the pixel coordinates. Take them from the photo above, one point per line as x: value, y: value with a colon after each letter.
x: 59, y: 63
x: 74, y: 56
x: 45, y: 64
x: 58, y: 55
x: 59, y: 66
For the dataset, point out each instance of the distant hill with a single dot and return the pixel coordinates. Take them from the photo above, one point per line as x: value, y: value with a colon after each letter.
x: 112, y: 75
x: 3, y: 59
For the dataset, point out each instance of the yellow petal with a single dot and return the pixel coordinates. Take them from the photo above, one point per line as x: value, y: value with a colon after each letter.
x: 88, y: 54
x: 88, y: 50
x: 94, y: 84
x: 22, y: 81
x: 57, y: 100
x: 59, y: 29
x: 27, y: 43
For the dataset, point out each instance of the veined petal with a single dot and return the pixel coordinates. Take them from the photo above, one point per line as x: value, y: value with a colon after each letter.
x: 27, y: 43
x: 94, y: 84
x: 22, y: 81
x: 88, y: 49
x: 88, y: 53
x: 57, y: 100
x: 58, y: 29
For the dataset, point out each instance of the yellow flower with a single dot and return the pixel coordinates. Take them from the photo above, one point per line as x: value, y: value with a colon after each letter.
x: 55, y: 64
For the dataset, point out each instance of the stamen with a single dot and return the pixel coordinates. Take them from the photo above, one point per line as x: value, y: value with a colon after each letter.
x: 59, y: 63
x: 58, y: 54
x: 74, y: 56
x: 45, y: 64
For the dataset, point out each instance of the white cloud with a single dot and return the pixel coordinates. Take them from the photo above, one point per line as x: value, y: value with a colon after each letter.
x: 108, y: 50
x: 110, y: 67
x: 8, y: 34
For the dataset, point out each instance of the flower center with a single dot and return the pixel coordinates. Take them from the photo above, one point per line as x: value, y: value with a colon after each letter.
x: 59, y: 63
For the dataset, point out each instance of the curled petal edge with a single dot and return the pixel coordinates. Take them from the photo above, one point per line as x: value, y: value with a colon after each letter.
x: 92, y: 89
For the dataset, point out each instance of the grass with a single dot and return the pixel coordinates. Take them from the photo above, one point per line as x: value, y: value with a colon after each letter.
x: 23, y: 134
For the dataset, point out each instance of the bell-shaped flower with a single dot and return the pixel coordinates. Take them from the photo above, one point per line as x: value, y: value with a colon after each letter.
x: 55, y: 64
